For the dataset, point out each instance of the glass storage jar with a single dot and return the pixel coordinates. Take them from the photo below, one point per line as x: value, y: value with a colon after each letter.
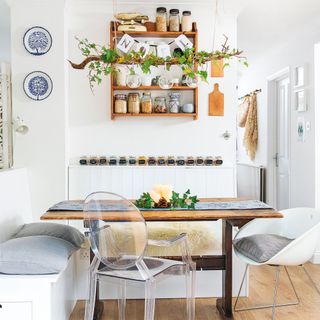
x: 161, y: 19
x: 171, y: 161
x: 186, y: 21
x: 120, y: 103
x: 146, y: 103
x: 174, y: 102
x: 160, y: 105
x: 161, y: 161
x: 133, y: 102
x: 174, y: 20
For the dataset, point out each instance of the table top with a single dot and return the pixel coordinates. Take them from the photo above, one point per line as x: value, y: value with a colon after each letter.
x: 178, y: 215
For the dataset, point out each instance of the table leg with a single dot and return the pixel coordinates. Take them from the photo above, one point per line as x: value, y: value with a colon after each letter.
x: 224, y: 304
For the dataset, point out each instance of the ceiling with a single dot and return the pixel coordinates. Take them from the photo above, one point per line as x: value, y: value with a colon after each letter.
x: 266, y: 24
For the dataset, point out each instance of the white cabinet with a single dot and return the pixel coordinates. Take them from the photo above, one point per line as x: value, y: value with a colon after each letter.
x: 132, y: 181
x: 15, y: 310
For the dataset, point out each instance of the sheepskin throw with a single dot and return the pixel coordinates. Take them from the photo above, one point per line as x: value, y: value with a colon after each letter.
x: 250, y: 139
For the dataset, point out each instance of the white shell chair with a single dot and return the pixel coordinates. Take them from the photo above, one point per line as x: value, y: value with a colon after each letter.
x: 119, y: 240
x: 300, y: 224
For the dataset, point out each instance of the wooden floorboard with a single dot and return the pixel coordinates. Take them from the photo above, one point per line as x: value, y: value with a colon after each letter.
x: 261, y: 289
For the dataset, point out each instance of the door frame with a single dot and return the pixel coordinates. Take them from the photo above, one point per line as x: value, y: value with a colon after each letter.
x: 272, y: 136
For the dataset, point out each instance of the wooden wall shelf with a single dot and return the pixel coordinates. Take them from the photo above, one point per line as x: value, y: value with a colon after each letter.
x: 152, y: 88
x: 155, y: 34
x: 183, y: 115
x: 115, y: 35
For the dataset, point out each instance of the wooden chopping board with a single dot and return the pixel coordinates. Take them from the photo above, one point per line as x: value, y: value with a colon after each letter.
x: 216, y: 102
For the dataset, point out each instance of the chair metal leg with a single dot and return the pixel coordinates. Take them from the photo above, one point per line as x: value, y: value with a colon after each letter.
x: 310, y: 278
x: 274, y: 305
x: 242, y: 282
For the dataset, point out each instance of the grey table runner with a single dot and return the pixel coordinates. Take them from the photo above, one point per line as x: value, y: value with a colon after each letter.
x: 210, y: 205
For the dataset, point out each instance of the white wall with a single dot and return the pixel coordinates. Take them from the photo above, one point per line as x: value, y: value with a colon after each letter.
x: 43, y: 149
x: 5, y: 42
x: 92, y: 132
x: 295, y: 49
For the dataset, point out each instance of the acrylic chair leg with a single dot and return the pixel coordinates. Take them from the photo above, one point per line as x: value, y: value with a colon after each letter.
x: 275, y: 294
x: 149, y: 304
x: 190, y: 292
x: 310, y: 278
x: 90, y: 302
x: 122, y: 295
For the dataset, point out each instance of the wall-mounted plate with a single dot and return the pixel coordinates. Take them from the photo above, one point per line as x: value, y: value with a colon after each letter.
x: 37, y: 85
x: 37, y: 41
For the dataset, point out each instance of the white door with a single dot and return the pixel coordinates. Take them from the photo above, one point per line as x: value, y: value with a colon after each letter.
x: 281, y: 158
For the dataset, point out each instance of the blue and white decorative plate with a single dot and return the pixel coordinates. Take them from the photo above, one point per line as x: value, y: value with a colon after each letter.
x: 37, y: 85
x: 37, y: 41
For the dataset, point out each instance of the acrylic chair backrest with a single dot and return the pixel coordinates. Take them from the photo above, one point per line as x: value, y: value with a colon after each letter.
x: 118, y: 232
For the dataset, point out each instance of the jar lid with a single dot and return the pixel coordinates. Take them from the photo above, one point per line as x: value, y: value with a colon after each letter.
x: 174, y: 11
x: 147, y: 93
x: 121, y: 96
x: 161, y: 10
x: 160, y: 98
x: 133, y: 94
x: 186, y: 13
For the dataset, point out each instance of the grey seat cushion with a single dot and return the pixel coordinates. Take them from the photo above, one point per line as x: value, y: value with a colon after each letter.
x: 61, y: 231
x: 35, y: 255
x: 261, y: 247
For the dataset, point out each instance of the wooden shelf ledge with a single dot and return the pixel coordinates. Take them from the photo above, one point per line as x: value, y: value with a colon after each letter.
x: 183, y: 115
x: 152, y: 88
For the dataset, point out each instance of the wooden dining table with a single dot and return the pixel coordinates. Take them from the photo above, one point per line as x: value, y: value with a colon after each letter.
x: 230, y: 218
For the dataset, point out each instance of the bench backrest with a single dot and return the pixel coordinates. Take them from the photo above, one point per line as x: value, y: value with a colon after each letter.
x: 15, y: 206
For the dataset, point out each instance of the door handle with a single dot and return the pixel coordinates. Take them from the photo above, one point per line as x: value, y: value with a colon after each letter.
x: 276, y: 158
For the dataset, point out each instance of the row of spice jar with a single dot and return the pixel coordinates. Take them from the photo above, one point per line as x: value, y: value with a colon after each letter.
x: 152, y: 161
x: 172, y: 22
x: 134, y: 104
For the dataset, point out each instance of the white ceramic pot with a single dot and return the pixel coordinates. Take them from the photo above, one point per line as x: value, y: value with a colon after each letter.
x: 121, y: 75
x: 146, y: 79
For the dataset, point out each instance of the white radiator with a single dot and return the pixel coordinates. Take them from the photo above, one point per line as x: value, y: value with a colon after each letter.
x: 251, y: 181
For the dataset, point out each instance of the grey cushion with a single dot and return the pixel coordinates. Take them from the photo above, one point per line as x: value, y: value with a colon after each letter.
x: 261, y: 247
x: 34, y: 255
x: 56, y: 230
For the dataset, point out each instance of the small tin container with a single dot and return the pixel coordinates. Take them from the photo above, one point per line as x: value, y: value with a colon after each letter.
x: 132, y: 161
x: 93, y: 161
x: 190, y: 161
x: 209, y: 161
x: 171, y: 161
x: 218, y: 161
x: 152, y: 161
x: 113, y: 161
x: 200, y: 161
x: 142, y: 161
x: 123, y: 161
x: 161, y: 161
x: 83, y: 161
x: 102, y: 161
x: 181, y: 161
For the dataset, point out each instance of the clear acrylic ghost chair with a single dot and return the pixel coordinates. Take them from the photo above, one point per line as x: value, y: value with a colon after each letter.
x: 118, y: 239
x: 300, y: 224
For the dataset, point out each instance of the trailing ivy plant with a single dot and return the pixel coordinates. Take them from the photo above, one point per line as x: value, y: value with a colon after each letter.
x: 185, y: 202
x: 101, y: 60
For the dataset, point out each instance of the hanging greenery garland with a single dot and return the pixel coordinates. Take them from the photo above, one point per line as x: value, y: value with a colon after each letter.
x: 101, y: 60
